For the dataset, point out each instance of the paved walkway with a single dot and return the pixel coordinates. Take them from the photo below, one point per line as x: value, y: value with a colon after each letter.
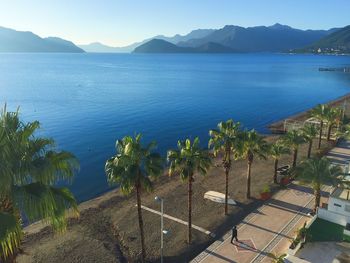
x: 340, y: 154
x: 268, y: 229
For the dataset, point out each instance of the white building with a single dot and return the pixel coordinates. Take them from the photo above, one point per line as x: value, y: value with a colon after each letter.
x: 338, y: 208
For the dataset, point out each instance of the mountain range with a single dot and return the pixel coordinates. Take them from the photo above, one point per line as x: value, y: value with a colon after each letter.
x: 101, y: 48
x: 230, y: 38
x: 20, y: 41
x: 275, y: 38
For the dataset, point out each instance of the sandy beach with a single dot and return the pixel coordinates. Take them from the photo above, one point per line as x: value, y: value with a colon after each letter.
x: 107, y: 230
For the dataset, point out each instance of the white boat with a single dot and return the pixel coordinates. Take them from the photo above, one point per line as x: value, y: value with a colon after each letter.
x: 218, y: 197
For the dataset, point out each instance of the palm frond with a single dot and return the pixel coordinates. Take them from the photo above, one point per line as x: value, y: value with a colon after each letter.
x: 10, y: 234
x: 133, y: 164
x: 40, y: 201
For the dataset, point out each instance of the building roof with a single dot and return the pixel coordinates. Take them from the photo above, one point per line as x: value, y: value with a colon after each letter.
x: 341, y: 193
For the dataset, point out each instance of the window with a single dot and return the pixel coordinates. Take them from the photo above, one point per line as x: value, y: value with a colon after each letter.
x: 347, y: 208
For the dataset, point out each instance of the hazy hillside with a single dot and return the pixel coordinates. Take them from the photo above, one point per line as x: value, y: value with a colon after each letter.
x: 276, y: 38
x: 98, y: 47
x: 18, y: 41
x: 337, y: 43
x: 162, y: 46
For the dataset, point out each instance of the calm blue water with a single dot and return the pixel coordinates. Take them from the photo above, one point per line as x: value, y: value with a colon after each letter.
x: 87, y: 101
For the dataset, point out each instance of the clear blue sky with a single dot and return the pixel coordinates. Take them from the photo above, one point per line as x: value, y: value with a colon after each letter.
x: 120, y: 22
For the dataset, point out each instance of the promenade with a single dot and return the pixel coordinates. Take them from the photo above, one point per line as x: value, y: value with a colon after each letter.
x: 269, y: 229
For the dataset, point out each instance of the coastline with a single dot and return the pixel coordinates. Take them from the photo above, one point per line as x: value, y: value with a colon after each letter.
x: 278, y: 126
x: 104, y: 230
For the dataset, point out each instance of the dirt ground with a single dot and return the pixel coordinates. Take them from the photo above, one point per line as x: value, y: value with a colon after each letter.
x: 107, y: 230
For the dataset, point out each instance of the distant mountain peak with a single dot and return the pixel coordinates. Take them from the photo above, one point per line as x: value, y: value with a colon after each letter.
x: 25, y: 41
x: 279, y: 26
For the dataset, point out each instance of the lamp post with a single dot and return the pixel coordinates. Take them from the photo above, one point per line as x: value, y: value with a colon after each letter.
x: 162, y: 231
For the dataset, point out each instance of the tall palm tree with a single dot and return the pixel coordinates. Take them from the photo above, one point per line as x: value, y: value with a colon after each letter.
x: 293, y: 139
x: 309, y: 132
x: 318, y: 171
x: 333, y: 117
x: 225, y: 140
x: 132, y: 169
x: 320, y: 112
x: 276, y: 151
x: 251, y: 144
x: 187, y: 160
x: 30, y: 169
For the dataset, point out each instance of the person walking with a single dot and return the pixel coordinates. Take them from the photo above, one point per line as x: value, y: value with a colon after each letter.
x: 234, y: 234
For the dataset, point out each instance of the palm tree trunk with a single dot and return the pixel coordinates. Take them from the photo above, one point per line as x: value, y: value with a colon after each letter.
x: 320, y: 137
x: 9, y: 259
x: 329, y: 132
x: 275, y: 173
x: 317, y: 193
x: 295, y: 156
x: 189, y: 238
x: 227, y: 171
x: 139, y: 211
x: 226, y: 190
x: 248, y: 178
x: 309, y: 150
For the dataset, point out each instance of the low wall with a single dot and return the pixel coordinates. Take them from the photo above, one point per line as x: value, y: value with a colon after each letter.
x: 333, y: 217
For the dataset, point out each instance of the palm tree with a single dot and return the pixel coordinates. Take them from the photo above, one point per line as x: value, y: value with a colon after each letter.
x: 309, y: 132
x: 188, y: 159
x: 251, y: 144
x: 276, y: 150
x: 278, y: 258
x: 293, y: 139
x: 30, y: 169
x: 225, y: 140
x: 320, y: 112
x: 131, y: 169
x: 333, y: 117
x: 318, y: 171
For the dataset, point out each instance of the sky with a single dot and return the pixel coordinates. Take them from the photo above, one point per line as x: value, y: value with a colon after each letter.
x: 122, y: 22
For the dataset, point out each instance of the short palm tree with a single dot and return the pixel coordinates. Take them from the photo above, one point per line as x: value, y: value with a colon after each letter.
x: 333, y: 117
x: 320, y: 112
x: 187, y: 160
x: 278, y: 258
x: 276, y: 151
x: 293, y: 139
x: 345, y: 131
x: 318, y: 171
x: 132, y: 169
x: 30, y: 170
x: 251, y: 144
x: 224, y: 140
x: 309, y: 132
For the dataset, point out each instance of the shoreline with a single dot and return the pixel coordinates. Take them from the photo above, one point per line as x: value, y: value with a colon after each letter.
x: 278, y: 126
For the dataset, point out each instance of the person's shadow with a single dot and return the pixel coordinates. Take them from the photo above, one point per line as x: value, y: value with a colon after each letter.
x: 241, y: 244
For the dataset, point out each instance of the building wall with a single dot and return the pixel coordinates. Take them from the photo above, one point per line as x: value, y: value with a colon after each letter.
x: 333, y: 216
x: 339, y: 206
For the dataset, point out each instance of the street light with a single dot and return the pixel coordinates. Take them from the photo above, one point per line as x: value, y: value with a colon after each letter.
x: 162, y: 230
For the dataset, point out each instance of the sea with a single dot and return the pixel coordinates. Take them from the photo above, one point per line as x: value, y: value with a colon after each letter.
x: 85, y: 102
